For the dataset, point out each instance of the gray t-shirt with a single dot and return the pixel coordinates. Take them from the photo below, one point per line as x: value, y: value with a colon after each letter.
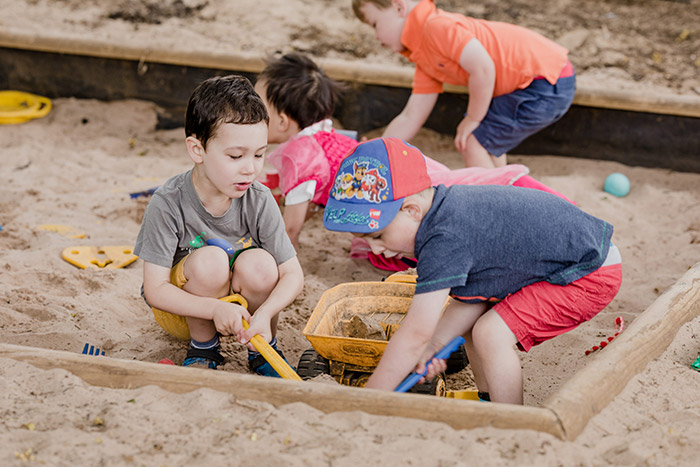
x: 486, y: 242
x: 176, y: 223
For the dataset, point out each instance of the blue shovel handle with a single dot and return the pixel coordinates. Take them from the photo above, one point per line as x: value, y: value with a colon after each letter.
x: 221, y: 243
x: 442, y: 354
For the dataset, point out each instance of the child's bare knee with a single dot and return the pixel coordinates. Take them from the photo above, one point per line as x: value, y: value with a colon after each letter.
x: 491, y: 333
x: 479, y: 333
x: 484, y: 332
x: 210, y: 263
x: 256, y: 271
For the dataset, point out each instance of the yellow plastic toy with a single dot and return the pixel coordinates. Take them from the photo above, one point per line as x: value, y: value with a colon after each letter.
x: 402, y: 278
x: 465, y: 394
x: 351, y: 360
x: 65, y: 230
x: 265, y: 349
x: 19, y: 107
x: 108, y: 257
x: 176, y: 326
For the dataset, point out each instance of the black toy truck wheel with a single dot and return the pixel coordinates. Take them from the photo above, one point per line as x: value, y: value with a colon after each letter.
x: 311, y: 365
x: 435, y: 387
x: 458, y: 361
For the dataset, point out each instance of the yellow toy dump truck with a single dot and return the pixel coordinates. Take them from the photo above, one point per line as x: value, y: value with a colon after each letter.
x: 350, y: 327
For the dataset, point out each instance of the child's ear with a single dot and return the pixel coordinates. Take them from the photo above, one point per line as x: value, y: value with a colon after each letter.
x: 400, y: 6
x: 195, y: 149
x: 285, y: 123
x: 413, y: 209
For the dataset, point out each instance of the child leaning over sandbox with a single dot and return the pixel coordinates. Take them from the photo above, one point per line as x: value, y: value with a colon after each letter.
x: 300, y: 100
x: 522, y: 266
x: 519, y: 81
x: 194, y: 218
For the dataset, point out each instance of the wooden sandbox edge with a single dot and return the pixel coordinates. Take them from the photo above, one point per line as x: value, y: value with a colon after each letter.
x: 564, y: 415
x: 129, y: 374
x: 592, y: 388
x: 356, y: 71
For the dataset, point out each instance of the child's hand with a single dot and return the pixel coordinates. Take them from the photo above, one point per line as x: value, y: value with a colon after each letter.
x: 228, y: 317
x: 259, y: 325
x: 465, y: 128
x: 434, y: 366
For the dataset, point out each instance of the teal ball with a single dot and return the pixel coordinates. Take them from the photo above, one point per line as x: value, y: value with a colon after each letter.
x: 617, y: 184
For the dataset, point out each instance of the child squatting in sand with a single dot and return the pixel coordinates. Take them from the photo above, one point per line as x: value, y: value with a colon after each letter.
x: 522, y: 266
x: 300, y: 100
x: 196, y: 216
x: 519, y: 81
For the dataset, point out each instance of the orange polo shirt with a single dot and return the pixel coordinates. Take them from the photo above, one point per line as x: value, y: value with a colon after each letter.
x: 434, y: 40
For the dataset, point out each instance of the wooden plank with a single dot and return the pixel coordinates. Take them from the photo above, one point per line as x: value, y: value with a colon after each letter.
x: 460, y: 414
x: 355, y: 71
x: 591, y: 389
x: 632, y: 138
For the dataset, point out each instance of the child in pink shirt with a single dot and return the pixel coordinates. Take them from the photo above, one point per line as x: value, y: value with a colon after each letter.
x: 519, y: 81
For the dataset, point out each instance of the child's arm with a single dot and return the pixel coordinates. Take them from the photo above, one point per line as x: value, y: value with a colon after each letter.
x: 288, y: 287
x: 162, y: 294
x: 457, y: 320
x: 410, y: 341
x: 482, y: 78
x: 417, y: 110
x: 294, y: 217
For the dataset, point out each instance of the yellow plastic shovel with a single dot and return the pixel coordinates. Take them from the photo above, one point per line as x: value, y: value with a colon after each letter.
x: 265, y: 349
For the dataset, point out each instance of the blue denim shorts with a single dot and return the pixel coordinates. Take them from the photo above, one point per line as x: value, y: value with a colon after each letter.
x: 513, y: 117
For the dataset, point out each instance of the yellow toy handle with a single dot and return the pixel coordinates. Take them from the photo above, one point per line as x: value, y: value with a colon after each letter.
x: 265, y: 349
x: 402, y: 278
x: 44, y: 108
x: 18, y: 106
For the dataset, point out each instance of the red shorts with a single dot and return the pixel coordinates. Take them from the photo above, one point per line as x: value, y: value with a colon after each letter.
x: 540, y: 311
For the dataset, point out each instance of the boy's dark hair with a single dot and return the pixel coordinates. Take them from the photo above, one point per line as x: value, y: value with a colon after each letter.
x: 296, y: 86
x: 222, y: 99
x: 357, y: 4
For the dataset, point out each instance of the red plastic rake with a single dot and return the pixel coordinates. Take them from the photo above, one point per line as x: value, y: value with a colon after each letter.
x: 619, y: 327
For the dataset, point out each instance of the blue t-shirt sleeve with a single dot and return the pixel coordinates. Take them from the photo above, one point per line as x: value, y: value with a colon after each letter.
x: 442, y: 263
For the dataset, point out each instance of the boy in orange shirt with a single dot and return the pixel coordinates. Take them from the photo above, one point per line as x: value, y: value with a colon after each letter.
x: 519, y: 81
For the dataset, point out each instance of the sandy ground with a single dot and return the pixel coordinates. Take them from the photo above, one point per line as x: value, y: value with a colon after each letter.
x: 644, y: 46
x: 77, y: 166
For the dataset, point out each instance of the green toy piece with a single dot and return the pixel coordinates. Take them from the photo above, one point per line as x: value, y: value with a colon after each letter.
x: 696, y: 364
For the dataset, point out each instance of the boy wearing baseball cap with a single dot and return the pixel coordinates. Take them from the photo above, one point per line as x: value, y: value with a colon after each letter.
x: 522, y: 266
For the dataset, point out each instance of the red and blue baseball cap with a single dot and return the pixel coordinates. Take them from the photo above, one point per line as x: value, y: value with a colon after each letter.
x: 372, y: 182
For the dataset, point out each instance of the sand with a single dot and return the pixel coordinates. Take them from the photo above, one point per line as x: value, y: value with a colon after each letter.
x: 77, y: 166
x: 650, y: 46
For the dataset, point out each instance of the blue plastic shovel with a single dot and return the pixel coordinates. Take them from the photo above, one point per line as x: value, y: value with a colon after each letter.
x: 442, y: 354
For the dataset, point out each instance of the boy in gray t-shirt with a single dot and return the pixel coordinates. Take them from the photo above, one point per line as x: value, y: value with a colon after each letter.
x: 522, y: 266
x: 213, y: 231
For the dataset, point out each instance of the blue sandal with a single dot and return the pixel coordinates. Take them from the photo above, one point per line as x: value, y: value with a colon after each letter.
x: 203, y: 358
x: 258, y: 364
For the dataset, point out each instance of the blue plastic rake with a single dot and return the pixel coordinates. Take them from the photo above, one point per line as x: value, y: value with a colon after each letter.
x: 92, y: 350
x: 442, y: 354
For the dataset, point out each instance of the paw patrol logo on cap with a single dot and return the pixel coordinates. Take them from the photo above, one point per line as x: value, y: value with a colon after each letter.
x: 362, y: 180
x: 371, y: 183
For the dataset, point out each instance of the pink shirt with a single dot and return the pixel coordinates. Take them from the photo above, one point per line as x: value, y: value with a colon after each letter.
x: 315, y: 154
